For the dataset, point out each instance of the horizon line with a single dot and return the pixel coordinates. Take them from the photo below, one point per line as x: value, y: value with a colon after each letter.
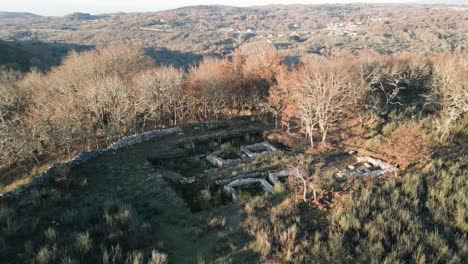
x: 413, y: 3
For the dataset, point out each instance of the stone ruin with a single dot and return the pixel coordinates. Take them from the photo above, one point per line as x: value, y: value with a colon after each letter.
x: 247, y: 183
x: 219, y: 162
x: 275, y: 177
x: 248, y: 152
x: 264, y: 180
x: 367, y: 166
x: 259, y: 149
x: 175, y: 177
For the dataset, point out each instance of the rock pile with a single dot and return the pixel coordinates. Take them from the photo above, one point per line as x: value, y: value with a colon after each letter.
x: 373, y: 167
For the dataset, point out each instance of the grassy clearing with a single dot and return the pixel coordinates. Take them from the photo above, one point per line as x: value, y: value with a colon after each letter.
x: 115, y: 209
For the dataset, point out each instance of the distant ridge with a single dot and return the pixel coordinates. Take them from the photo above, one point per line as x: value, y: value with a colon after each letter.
x: 444, y: 2
x: 82, y: 16
x: 12, y: 15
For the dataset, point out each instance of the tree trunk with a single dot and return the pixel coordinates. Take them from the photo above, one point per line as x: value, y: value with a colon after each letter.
x: 304, y: 183
x: 304, y: 194
x: 35, y: 158
x: 144, y: 124
x: 310, y: 136
x: 324, y: 135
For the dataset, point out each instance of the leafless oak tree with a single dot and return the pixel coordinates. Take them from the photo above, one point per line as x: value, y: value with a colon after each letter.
x: 323, y: 93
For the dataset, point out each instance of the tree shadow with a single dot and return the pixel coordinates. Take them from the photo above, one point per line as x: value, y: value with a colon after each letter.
x: 178, y: 59
x: 25, y: 55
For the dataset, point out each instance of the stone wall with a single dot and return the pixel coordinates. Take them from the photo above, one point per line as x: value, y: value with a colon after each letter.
x: 230, y: 190
x: 139, y: 138
x: 259, y: 149
x: 249, y: 152
x: 84, y: 156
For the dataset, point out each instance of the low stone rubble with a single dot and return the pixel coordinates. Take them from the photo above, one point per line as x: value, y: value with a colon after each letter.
x: 386, y: 167
x: 381, y: 168
x: 176, y: 178
x: 275, y: 176
x: 215, y: 160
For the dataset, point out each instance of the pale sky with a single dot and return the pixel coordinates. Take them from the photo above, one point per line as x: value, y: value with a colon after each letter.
x: 62, y: 7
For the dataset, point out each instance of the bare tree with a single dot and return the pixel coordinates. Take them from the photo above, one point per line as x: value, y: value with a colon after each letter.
x: 308, y: 175
x: 261, y: 59
x: 301, y: 173
x: 395, y: 81
x: 324, y: 94
x: 260, y: 64
x: 160, y: 96
x: 211, y: 85
x: 280, y: 96
x: 449, y: 87
x: 14, y: 98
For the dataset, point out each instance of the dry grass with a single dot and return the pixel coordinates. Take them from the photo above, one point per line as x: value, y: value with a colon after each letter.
x: 24, y: 179
x: 406, y: 145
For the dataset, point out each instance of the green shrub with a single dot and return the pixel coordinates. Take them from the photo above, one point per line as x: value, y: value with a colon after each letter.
x: 279, y: 187
x: 228, y: 151
x: 388, y: 128
x: 157, y: 258
x: 374, y: 143
x: 46, y: 255
x: 83, y: 242
x: 134, y: 257
x: 51, y: 234
x: 262, y: 244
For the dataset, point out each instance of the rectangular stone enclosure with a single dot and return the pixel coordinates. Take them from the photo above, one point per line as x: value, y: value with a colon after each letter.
x: 259, y: 149
x: 249, y: 152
